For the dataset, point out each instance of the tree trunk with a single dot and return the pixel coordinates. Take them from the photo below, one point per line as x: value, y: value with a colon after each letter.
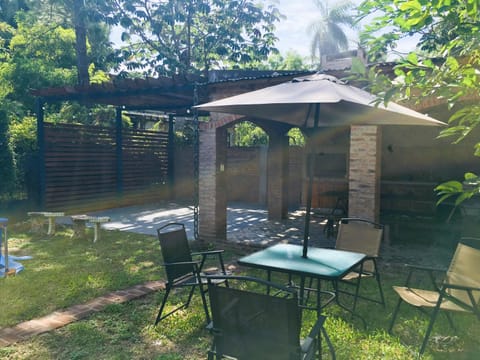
x: 81, y: 42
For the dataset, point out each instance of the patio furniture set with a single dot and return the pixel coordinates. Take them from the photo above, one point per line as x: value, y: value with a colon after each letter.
x: 265, y: 320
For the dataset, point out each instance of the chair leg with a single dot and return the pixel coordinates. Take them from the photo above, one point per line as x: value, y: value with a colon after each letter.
x: 159, y: 316
x: 429, y: 329
x: 379, y: 283
x: 164, y: 302
x: 319, y: 346
x: 204, y: 302
x: 397, y: 308
x: 450, y: 321
x: 382, y: 297
x: 190, y: 295
x: 329, y: 343
x: 357, y: 289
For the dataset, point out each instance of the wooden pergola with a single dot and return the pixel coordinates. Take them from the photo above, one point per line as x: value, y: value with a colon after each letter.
x: 172, y: 96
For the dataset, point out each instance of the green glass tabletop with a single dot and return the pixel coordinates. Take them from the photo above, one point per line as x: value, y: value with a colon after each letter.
x: 321, y: 263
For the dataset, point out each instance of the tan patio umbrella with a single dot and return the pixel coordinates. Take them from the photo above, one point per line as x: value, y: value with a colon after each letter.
x: 317, y: 101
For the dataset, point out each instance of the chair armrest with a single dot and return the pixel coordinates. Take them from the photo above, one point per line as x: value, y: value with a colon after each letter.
x: 208, y: 252
x: 195, y: 263
x: 472, y: 305
x: 460, y: 287
x: 425, y: 268
x: 429, y: 270
x: 205, y: 254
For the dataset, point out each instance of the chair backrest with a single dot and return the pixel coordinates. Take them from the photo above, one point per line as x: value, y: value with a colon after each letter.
x: 463, y: 269
x: 175, y: 248
x: 360, y: 235
x: 255, y: 326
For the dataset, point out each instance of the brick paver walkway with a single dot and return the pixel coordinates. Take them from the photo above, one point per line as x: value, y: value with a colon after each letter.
x: 61, y: 318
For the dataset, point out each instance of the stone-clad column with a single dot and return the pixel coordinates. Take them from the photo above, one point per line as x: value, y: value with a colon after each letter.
x: 365, y: 172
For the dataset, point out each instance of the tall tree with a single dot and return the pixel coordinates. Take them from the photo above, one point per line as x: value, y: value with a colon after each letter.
x: 38, y: 56
x: 79, y: 22
x: 90, y: 21
x: 446, y: 28
x: 328, y: 35
x: 185, y: 36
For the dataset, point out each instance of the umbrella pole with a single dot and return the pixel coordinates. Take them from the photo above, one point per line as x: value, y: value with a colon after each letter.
x: 310, y: 163
x: 306, y: 234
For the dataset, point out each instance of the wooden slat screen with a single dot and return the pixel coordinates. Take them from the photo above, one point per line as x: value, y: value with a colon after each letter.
x: 145, y: 160
x: 81, y: 165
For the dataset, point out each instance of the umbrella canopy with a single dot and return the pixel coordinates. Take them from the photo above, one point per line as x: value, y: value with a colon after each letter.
x: 293, y: 103
x: 316, y: 101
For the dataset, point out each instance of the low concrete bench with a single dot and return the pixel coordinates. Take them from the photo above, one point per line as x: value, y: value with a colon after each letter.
x: 38, y: 220
x: 80, y: 223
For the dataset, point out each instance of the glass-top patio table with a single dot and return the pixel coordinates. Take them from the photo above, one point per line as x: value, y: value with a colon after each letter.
x: 320, y: 263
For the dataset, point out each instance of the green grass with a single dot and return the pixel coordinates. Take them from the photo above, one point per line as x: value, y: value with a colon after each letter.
x: 66, y: 271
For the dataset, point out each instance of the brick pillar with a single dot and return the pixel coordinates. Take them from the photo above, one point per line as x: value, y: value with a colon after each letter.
x: 365, y: 172
x: 212, y: 184
x: 277, y: 175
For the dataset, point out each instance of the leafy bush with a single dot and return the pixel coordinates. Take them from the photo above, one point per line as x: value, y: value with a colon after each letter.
x: 7, y: 172
x: 23, y: 142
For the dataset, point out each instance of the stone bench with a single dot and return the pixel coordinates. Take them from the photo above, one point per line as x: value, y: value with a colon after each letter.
x: 80, y: 223
x: 37, y: 220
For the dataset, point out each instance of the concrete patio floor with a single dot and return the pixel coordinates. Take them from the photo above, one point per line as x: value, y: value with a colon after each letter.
x: 246, y: 223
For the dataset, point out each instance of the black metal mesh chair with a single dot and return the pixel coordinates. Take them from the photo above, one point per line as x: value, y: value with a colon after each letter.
x: 458, y: 292
x: 250, y: 324
x: 181, y: 268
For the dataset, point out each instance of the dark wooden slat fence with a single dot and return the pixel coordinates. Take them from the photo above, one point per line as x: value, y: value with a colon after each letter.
x: 81, y: 166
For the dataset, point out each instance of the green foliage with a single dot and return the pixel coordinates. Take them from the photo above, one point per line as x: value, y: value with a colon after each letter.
x: 9, y: 8
x: 448, y: 67
x: 92, y: 15
x: 180, y: 37
x: 23, y: 142
x: 296, y: 137
x: 464, y: 190
x: 39, y: 56
x: 248, y: 134
x: 7, y: 173
x: 75, y: 113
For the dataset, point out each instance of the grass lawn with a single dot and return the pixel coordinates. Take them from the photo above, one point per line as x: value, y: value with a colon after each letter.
x: 66, y: 271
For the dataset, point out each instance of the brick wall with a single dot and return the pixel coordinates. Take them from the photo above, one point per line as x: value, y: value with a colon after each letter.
x: 244, y: 174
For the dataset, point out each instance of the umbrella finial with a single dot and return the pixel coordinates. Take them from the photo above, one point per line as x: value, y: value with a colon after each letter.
x: 319, y: 77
